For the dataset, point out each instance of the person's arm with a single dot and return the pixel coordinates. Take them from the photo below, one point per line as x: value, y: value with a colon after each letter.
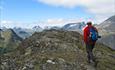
x: 85, y: 35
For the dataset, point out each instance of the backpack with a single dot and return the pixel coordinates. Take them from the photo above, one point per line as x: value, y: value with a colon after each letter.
x: 93, y: 34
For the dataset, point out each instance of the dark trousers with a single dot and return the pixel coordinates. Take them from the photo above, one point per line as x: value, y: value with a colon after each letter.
x: 89, y: 49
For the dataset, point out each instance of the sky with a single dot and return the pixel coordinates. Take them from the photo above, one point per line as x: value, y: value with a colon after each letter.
x: 29, y: 13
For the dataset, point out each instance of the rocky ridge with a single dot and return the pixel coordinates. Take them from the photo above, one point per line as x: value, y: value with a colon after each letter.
x: 56, y: 50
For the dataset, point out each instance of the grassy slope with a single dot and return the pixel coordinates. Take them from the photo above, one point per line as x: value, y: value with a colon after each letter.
x: 8, y: 43
x: 64, y: 48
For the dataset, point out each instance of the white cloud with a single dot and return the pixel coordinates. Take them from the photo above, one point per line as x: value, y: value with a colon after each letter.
x: 44, y: 23
x: 8, y: 22
x: 57, y: 22
x: 65, y: 3
x: 5, y: 23
x: 11, y: 24
x: 100, y: 8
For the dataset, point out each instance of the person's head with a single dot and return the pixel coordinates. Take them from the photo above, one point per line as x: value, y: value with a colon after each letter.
x: 89, y: 23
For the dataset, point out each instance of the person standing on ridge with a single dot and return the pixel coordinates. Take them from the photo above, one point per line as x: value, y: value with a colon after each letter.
x: 90, y: 35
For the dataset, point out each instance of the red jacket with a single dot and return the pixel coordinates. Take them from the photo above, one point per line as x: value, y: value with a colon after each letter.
x: 86, y: 33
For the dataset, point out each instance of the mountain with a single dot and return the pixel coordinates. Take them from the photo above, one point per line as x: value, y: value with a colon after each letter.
x: 9, y: 40
x: 108, y: 25
x: 37, y: 28
x: 23, y: 32
x: 55, y: 27
x: 3, y: 28
x: 0, y: 30
x: 0, y: 34
x: 74, y: 26
x: 56, y: 50
x: 107, y: 30
x: 52, y: 27
x: 109, y: 40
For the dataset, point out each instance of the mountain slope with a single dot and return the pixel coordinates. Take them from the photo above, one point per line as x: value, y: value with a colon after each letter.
x: 57, y: 50
x: 74, y: 26
x: 23, y: 32
x: 107, y: 30
x: 37, y: 28
x: 9, y: 41
x: 108, y: 25
x: 109, y: 40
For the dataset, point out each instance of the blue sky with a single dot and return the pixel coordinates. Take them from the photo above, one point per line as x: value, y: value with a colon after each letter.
x: 28, y: 12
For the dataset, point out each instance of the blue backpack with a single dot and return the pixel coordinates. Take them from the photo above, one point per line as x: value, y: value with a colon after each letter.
x: 93, y: 34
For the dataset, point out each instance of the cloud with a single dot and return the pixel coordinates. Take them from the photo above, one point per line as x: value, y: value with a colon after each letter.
x: 6, y: 23
x: 95, y: 6
x: 57, y: 22
x: 11, y: 24
x: 65, y: 3
x: 42, y: 23
x: 100, y: 8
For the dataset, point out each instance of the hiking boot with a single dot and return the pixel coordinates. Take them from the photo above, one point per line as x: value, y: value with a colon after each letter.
x: 90, y: 61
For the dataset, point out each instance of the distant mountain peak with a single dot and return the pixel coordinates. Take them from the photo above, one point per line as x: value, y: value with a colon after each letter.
x: 108, y: 25
x: 12, y: 35
x: 74, y: 26
x: 107, y: 30
x: 37, y: 28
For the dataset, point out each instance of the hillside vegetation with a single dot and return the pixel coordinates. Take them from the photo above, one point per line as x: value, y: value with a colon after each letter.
x: 57, y: 50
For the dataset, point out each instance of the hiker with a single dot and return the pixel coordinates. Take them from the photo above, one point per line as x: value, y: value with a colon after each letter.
x: 90, y: 35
